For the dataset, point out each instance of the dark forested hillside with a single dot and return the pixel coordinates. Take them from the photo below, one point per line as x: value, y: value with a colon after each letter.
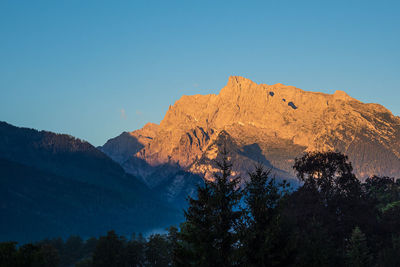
x: 57, y: 185
x: 63, y: 155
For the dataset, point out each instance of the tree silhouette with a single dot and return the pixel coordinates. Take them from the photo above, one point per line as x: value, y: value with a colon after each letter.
x: 109, y: 250
x: 358, y: 253
x: 262, y: 235
x: 338, y: 194
x: 208, y: 236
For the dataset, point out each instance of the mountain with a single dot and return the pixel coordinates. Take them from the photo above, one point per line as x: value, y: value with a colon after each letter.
x: 57, y: 185
x: 172, y: 183
x: 272, y: 124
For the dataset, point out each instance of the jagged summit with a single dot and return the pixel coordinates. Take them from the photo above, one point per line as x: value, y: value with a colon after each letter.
x: 276, y: 123
x: 232, y: 80
x: 341, y: 95
x: 238, y: 84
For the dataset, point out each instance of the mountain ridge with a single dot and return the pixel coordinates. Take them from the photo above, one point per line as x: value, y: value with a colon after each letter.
x: 57, y: 185
x: 283, y: 121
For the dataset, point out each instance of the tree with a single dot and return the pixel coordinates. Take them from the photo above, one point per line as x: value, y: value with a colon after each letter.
x: 35, y: 255
x: 315, y: 247
x: 72, y: 250
x: 109, y: 250
x: 208, y: 236
x: 338, y: 194
x: 89, y: 247
x: 195, y: 240
x: 330, y: 172
x: 134, y: 251
x: 8, y: 254
x: 262, y: 237
x: 358, y: 253
x: 51, y: 256
x: 225, y: 198
x: 157, y: 251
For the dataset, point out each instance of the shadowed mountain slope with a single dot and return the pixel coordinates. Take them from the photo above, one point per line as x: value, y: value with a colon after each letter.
x: 57, y: 185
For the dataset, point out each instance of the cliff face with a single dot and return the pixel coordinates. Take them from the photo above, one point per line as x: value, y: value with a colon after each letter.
x: 273, y: 124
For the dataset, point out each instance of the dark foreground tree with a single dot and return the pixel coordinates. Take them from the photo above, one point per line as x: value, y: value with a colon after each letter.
x: 195, y: 240
x: 8, y: 254
x: 358, y: 254
x: 339, y: 200
x: 158, y: 251
x: 326, y: 208
x: 72, y: 250
x: 208, y: 237
x: 329, y: 172
x: 30, y: 255
x: 109, y: 250
x: 134, y: 252
x: 263, y: 239
x: 225, y: 200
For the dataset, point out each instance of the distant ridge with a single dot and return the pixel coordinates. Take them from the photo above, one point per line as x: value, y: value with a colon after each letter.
x: 56, y: 185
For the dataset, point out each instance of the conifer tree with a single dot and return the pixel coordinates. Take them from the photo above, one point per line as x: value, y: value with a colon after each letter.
x: 358, y: 253
x: 109, y: 250
x: 225, y: 200
x: 208, y: 237
x: 195, y: 241
x: 262, y: 234
x: 157, y: 251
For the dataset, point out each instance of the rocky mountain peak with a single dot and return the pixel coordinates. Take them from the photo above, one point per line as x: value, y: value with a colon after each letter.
x: 238, y: 80
x: 274, y: 123
x: 341, y: 95
x: 149, y: 130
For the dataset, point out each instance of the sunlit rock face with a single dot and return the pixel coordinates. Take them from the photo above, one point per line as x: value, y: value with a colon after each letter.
x: 127, y: 144
x: 271, y: 124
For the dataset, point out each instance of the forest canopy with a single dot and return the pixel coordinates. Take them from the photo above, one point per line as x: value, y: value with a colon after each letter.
x: 332, y: 219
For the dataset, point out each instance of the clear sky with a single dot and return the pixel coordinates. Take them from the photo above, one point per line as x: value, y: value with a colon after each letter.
x: 93, y: 69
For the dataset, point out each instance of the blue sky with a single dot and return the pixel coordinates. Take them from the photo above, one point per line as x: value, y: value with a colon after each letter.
x: 93, y: 69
